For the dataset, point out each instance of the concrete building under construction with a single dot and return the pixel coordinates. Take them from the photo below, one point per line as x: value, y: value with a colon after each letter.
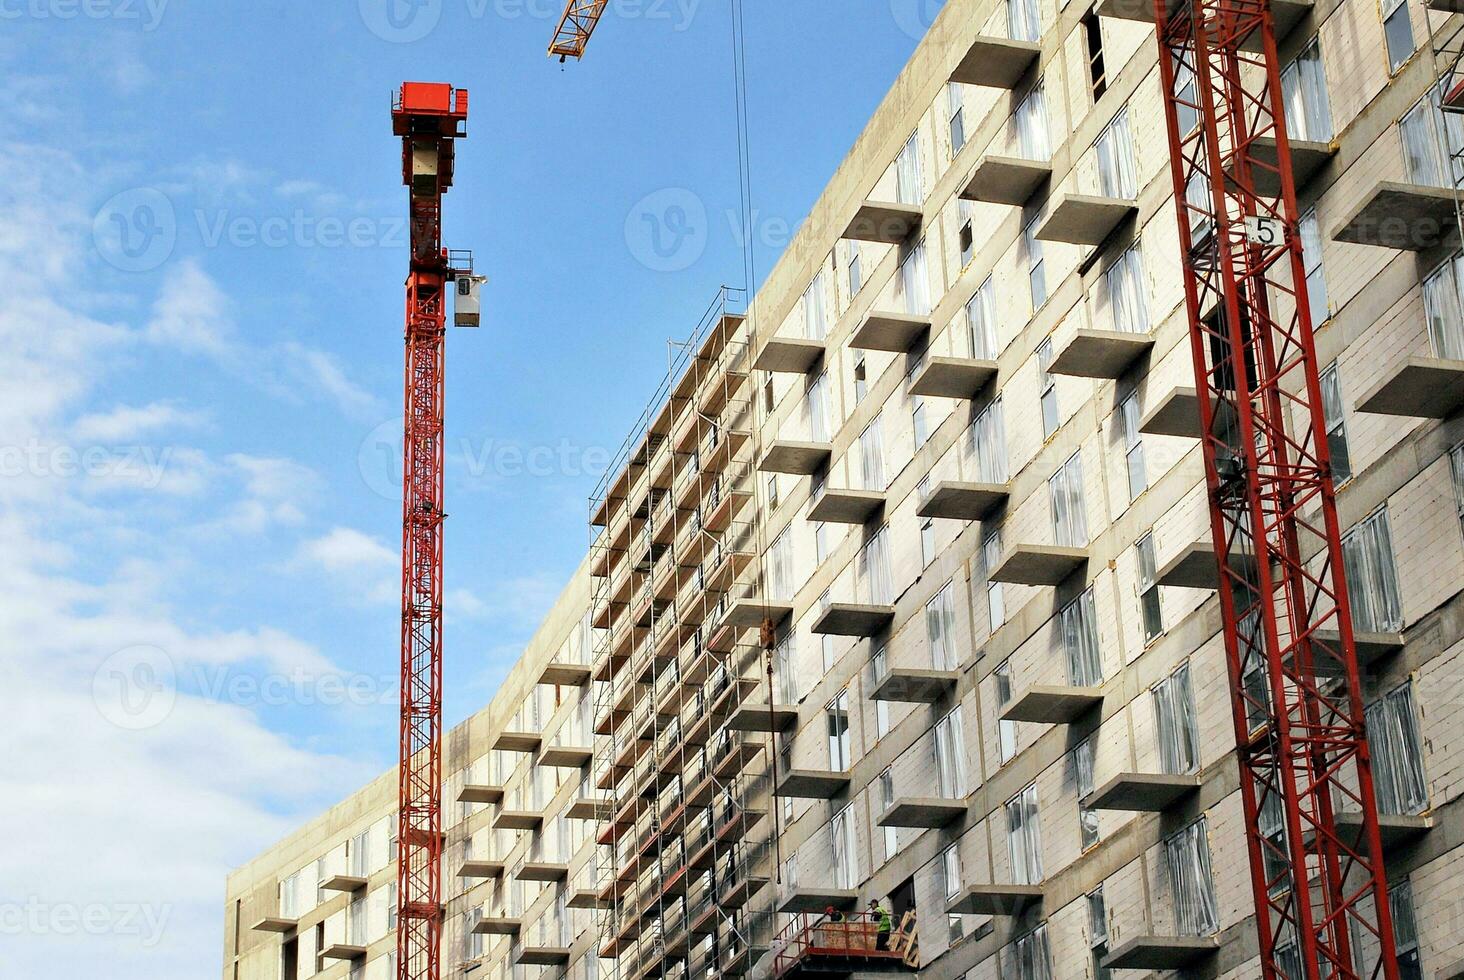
x: 902, y: 589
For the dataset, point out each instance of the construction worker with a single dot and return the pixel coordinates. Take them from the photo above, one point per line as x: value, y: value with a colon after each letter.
x: 881, y: 915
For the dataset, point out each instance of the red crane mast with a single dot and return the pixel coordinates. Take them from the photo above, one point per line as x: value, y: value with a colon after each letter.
x: 428, y: 117
x: 1319, y: 885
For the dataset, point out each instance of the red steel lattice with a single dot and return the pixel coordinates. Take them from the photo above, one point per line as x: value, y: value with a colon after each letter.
x: 1319, y: 890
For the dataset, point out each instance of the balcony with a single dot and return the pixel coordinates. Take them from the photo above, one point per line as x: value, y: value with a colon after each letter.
x: 1002, y: 900
x: 896, y: 333
x: 964, y: 501
x: 518, y: 741
x: 1419, y: 388
x: 1176, y: 414
x: 817, y: 899
x: 790, y: 355
x: 542, y: 956
x: 884, y: 222
x: 1048, y: 705
x: 757, y: 716
x: 1161, y: 952
x: 587, y: 898
x: 585, y: 808
x: 275, y: 924
x: 1198, y: 567
x: 343, y: 951
x: 480, y: 793
x: 924, y: 813
x: 1284, y: 13
x: 566, y: 756
x: 344, y: 883
x: 854, y: 619
x: 1143, y: 792
x: 915, y: 686
x: 810, y: 784
x: 953, y: 377
x: 1372, y: 649
x: 1006, y: 180
x: 996, y: 62
x: 1397, y: 215
x: 1102, y: 354
x: 796, y: 458
x: 1307, y: 159
x: 1396, y: 829
x: 480, y: 869
x: 559, y: 674
x: 1084, y: 219
x: 518, y: 820
x: 1039, y: 564
x: 542, y: 871
x: 857, y: 507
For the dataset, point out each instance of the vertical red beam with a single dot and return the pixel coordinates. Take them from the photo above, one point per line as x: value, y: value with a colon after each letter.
x: 428, y: 118
x: 1300, y: 736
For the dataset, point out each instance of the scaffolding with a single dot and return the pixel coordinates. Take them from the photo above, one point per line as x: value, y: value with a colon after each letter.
x: 686, y: 850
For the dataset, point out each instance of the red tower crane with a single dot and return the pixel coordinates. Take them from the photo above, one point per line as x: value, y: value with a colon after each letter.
x: 1318, y: 883
x: 428, y: 117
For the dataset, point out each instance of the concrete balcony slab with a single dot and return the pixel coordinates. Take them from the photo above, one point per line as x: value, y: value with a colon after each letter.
x: 958, y: 501
x: 790, y: 355
x: 1372, y: 648
x: 847, y: 506
x: 892, y: 332
x: 1049, y: 705
x: 1396, y: 829
x: 1143, y: 792
x: 542, y: 871
x: 1039, y: 564
x: 1420, y: 388
x: 1161, y: 952
x: 1104, y: 354
x: 1393, y: 214
x: 518, y: 741
x: 885, y: 222
x: 819, y: 900
x: 565, y: 675
x: 1198, y: 567
x: 796, y: 458
x: 1084, y: 219
x: 1006, y: 180
x: 996, y: 62
x: 1285, y: 14
x: 343, y: 951
x: 952, y: 377
x: 915, y: 686
x: 480, y: 869
x: 518, y: 820
x: 809, y: 784
x: 746, y: 613
x: 344, y: 883
x: 758, y: 717
x: 853, y: 619
x: 275, y: 924
x: 585, y: 808
x: 566, y: 756
x: 1307, y: 158
x: 543, y: 956
x: 588, y: 898
x: 1176, y: 414
x: 500, y: 926
x: 924, y: 813
x: 1002, y: 900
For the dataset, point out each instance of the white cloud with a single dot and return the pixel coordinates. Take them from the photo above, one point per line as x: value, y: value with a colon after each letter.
x: 324, y: 372
x: 191, y: 314
x: 360, y: 565
x: 127, y: 422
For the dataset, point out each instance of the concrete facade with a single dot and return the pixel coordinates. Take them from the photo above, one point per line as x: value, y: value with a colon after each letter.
x: 705, y: 530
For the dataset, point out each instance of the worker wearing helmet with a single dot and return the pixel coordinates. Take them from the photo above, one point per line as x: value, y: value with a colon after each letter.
x: 881, y: 915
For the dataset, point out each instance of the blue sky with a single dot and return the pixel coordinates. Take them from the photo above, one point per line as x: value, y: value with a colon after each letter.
x: 201, y: 258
